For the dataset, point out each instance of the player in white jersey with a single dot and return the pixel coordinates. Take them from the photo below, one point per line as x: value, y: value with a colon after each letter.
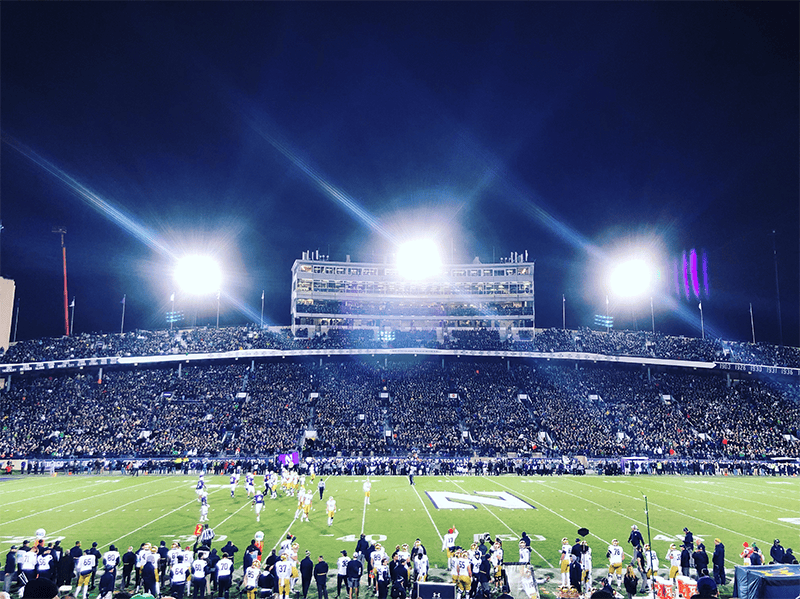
x: 330, y: 507
x: 273, y: 484
x: 367, y: 491
x: 258, y: 504
x: 204, y: 509
x: 463, y: 575
x: 497, y: 562
x: 307, y: 499
x: 421, y: 567
x: 298, y: 514
x: 173, y: 553
x: 674, y: 557
x: 251, y: 579
x: 283, y: 571
x: 650, y: 564
x: 111, y: 558
x: 586, y: 564
x: 286, y: 544
x: 249, y: 487
x: 615, y: 556
x: 86, y: 564
x: 233, y: 482
x: 449, y: 543
x: 524, y: 553
x: 224, y: 576
x: 566, y: 550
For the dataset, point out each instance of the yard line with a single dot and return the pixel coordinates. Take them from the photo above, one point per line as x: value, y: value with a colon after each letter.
x: 285, y: 532
x: 679, y: 513
x: 76, y: 501
x: 170, y: 490
x: 506, y: 525
x: 364, y: 515
x: 759, y: 503
x: 539, y: 503
x: 441, y: 538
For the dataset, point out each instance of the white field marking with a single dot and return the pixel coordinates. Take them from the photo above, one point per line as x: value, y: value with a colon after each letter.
x: 285, y: 532
x: 540, y: 504
x: 364, y: 515
x: 233, y: 514
x: 63, y: 505
x: 151, y: 521
x: 111, y: 510
x: 759, y: 503
x: 688, y: 516
x: 738, y: 512
x: 506, y: 525
x: 60, y: 492
x: 795, y: 521
x: 441, y: 538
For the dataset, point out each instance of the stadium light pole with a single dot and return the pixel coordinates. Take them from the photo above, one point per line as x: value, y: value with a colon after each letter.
x: 72, y: 317
x: 63, y: 231
x: 752, y: 325
x: 702, y: 324
x: 217, y: 308
x: 16, y: 322
x: 650, y: 544
x: 652, y: 315
x: 122, y: 324
x: 563, y: 311
x: 261, y: 322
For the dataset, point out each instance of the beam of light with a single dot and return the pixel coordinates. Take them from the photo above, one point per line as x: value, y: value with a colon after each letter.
x: 677, y: 280
x: 685, y: 276
x: 102, y: 206
x: 337, y: 195
x: 705, y: 273
x: 693, y: 271
x: 114, y: 214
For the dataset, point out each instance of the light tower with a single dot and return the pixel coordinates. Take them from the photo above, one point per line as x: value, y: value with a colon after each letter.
x: 63, y: 231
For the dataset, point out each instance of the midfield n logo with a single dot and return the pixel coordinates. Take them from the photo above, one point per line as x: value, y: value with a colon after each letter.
x: 444, y: 500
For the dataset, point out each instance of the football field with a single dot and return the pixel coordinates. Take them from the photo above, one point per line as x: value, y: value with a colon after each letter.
x: 127, y: 511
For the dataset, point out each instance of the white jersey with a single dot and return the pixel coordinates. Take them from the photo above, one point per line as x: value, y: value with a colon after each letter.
x: 199, y: 569
x: 524, y: 555
x: 172, y: 556
x: 367, y: 486
x: 251, y: 576
x: 586, y: 559
x: 450, y: 539
x: 462, y: 566
x: 615, y: 554
x: 341, y: 565
x: 224, y: 567
x: 566, y: 551
x: 178, y: 572
x: 85, y: 563
x: 111, y: 558
x: 377, y: 557
x: 421, y: 565
x: 331, y: 505
x: 674, y: 557
x: 283, y: 569
x: 651, y: 560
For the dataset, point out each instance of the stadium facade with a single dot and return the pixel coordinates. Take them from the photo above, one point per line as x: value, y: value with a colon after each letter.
x: 375, y: 296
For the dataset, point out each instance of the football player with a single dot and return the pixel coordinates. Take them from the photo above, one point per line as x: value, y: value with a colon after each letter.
x: 258, y: 504
x: 615, y: 555
x: 566, y: 550
x: 330, y: 506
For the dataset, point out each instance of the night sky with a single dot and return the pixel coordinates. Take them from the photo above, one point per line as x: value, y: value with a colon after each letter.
x: 255, y: 131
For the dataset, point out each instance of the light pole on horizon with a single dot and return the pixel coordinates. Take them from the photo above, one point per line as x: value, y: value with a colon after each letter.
x: 72, y: 317
x: 563, y: 311
x: 702, y: 325
x: 752, y: 324
x: 218, y: 308
x: 652, y: 315
x: 122, y: 324
x: 261, y: 323
x: 63, y: 231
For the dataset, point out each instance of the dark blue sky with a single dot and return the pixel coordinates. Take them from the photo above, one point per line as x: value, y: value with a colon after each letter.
x: 565, y: 129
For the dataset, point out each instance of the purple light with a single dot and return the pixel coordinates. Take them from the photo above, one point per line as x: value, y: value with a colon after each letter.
x: 693, y: 268
x: 705, y: 273
x: 685, y: 276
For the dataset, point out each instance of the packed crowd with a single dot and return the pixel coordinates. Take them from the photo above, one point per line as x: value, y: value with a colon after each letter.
x: 212, y: 340
x: 440, y: 407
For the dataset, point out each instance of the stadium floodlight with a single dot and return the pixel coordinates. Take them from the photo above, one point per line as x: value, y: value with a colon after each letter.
x: 198, y: 275
x: 631, y: 278
x: 418, y: 259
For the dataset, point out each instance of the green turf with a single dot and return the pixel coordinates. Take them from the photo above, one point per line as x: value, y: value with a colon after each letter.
x: 128, y: 511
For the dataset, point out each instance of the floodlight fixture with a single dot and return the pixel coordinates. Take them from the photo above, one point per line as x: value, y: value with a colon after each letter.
x: 631, y: 278
x: 198, y: 275
x: 418, y: 259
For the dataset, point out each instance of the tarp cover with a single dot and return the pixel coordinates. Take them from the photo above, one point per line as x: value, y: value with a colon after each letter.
x: 767, y: 582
